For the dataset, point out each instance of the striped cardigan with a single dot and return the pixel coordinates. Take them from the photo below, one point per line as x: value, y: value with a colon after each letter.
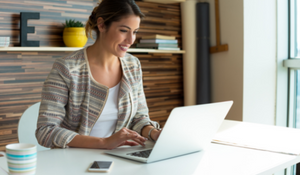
x: 72, y: 100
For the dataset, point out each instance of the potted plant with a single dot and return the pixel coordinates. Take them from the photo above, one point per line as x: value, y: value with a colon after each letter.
x: 74, y: 34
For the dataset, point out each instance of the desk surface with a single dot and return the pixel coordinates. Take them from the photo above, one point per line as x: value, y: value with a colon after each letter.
x: 259, y: 136
x: 218, y: 159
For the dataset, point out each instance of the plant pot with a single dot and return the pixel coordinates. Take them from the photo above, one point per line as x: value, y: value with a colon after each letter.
x: 74, y: 36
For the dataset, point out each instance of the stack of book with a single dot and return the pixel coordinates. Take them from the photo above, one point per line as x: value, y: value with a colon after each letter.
x: 4, y: 41
x: 160, y: 42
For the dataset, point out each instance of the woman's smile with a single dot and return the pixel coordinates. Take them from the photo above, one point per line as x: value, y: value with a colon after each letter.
x: 124, y: 48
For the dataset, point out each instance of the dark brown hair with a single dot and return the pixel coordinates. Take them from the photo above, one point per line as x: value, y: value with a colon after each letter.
x: 111, y: 11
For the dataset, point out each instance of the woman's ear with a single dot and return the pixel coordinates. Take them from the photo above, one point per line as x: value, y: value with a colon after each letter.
x: 100, y: 24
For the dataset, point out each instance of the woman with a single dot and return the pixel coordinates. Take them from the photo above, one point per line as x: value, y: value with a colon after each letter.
x: 94, y: 98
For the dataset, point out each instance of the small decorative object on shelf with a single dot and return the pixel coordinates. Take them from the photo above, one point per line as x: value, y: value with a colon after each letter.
x: 74, y: 34
x: 4, y: 41
x: 24, y: 29
x: 160, y: 42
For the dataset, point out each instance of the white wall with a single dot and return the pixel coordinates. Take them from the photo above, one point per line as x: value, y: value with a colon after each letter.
x: 282, y: 72
x: 246, y: 73
x: 259, y: 61
x: 227, y: 67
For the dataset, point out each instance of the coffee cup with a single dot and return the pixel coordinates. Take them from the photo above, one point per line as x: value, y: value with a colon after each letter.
x: 21, y: 158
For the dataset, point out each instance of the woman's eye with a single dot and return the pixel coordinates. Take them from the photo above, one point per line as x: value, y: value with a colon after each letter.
x: 135, y: 32
x: 123, y: 31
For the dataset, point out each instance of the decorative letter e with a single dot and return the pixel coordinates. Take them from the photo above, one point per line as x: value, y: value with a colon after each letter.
x: 24, y: 29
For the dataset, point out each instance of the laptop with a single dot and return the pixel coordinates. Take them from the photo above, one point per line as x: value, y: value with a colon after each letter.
x: 188, y: 129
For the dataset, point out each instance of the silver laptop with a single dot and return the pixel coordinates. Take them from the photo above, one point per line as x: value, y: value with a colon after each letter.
x: 188, y: 129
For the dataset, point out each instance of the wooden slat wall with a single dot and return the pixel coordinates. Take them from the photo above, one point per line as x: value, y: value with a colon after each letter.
x: 22, y: 73
x: 163, y: 86
x: 21, y: 78
x: 162, y: 19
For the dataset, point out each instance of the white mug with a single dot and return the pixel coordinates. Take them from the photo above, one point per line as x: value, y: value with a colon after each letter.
x: 21, y: 158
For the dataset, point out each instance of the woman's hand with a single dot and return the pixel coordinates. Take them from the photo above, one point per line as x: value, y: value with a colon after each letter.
x: 155, y: 134
x: 121, y: 138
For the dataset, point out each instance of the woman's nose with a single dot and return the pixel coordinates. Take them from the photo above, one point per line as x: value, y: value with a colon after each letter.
x: 130, y: 38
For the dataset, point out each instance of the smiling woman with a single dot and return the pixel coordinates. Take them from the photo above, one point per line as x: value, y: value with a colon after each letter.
x: 117, y: 38
x: 94, y: 97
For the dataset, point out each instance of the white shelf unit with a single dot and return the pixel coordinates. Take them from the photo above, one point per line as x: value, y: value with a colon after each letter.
x: 67, y: 49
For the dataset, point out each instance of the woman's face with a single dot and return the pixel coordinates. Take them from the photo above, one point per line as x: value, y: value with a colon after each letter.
x: 121, y: 35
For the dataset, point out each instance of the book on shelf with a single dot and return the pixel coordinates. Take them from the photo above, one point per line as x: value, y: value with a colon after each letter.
x: 143, y: 45
x: 4, y: 44
x: 168, y: 48
x: 158, y: 41
x: 4, y: 39
x: 159, y: 37
x: 162, y: 48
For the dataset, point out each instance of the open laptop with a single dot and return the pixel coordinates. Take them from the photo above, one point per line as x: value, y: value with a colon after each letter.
x: 188, y: 129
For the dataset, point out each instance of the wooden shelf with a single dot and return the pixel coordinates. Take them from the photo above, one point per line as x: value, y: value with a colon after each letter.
x: 67, y: 49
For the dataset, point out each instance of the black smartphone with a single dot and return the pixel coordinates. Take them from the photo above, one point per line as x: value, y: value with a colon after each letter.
x: 101, y: 166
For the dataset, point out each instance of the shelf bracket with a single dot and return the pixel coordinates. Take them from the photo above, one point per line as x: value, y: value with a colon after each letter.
x: 219, y: 47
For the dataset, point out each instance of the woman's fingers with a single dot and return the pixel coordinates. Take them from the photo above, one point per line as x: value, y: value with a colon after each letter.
x: 132, y: 135
x: 130, y: 143
x: 135, y: 136
x: 121, y: 138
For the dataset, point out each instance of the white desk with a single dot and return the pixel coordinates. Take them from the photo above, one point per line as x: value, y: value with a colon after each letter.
x: 262, y: 137
x: 218, y: 160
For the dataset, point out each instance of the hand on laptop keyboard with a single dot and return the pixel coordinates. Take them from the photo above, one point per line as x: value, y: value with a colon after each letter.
x: 121, y: 138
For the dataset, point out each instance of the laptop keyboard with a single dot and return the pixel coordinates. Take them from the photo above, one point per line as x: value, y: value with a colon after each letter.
x: 144, y: 154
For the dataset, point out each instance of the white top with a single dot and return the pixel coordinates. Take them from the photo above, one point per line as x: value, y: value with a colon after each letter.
x: 106, y: 123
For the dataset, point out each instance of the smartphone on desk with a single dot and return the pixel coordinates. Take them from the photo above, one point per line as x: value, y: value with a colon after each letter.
x: 101, y: 166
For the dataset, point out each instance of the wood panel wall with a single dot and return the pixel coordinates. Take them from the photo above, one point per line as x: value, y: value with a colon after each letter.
x: 22, y: 73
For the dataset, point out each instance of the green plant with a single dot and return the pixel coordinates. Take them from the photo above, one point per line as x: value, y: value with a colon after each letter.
x: 73, y: 23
